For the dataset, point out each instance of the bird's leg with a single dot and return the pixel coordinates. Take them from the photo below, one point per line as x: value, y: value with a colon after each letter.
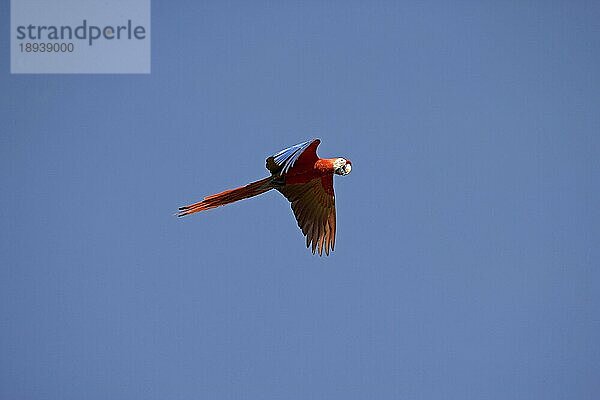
x: 278, y: 181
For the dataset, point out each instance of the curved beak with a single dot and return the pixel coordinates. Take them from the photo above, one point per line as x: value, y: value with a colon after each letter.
x: 348, y: 167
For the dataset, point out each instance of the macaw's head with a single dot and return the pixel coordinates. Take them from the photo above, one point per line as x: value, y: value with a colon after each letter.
x: 341, y: 166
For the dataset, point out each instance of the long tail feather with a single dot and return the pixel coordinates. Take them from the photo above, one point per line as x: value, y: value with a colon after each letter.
x: 228, y: 196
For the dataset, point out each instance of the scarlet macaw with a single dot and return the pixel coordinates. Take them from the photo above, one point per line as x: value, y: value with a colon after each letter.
x: 305, y: 180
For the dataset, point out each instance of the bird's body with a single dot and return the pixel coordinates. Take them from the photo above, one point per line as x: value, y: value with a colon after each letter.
x: 305, y: 180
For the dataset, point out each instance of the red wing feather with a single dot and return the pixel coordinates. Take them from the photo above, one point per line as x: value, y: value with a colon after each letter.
x: 313, y: 204
x: 309, y: 156
x: 302, y: 154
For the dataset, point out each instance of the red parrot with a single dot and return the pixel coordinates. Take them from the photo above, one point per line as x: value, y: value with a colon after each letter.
x: 305, y: 180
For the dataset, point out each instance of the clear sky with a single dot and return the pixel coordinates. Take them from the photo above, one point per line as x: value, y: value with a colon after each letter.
x: 467, y: 257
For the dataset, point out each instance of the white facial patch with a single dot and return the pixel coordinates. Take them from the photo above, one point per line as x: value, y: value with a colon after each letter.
x: 339, y: 163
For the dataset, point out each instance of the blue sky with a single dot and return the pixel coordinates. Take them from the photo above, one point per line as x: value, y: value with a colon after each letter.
x: 466, y: 261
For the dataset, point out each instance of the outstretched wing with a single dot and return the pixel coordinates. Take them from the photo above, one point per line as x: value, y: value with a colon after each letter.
x: 313, y: 204
x: 299, y: 154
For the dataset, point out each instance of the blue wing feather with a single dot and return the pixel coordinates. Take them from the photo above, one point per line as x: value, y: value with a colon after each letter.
x: 287, y: 157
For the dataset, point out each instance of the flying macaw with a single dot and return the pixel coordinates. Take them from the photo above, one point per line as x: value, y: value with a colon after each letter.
x: 305, y: 180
